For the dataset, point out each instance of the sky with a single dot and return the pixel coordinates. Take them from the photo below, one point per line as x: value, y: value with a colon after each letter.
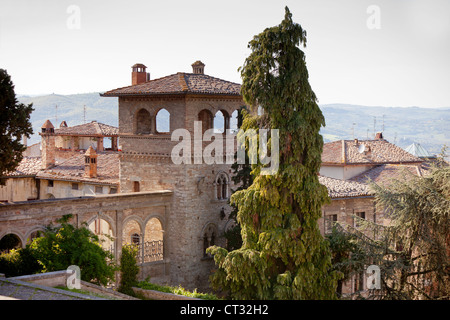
x: 376, y: 53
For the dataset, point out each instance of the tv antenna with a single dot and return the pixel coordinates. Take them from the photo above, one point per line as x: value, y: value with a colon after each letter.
x: 361, y: 148
x: 84, y: 114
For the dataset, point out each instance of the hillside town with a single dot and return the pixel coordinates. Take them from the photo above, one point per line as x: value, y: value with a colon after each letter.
x: 177, y: 151
x: 174, y: 212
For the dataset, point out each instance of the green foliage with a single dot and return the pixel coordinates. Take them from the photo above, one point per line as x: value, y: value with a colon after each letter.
x: 14, y: 123
x: 283, y: 255
x: 128, y: 269
x: 67, y: 245
x: 146, y: 285
x: 412, y: 251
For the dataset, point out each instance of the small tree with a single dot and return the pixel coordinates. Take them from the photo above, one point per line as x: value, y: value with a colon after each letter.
x: 67, y: 245
x: 14, y: 123
x: 129, y: 269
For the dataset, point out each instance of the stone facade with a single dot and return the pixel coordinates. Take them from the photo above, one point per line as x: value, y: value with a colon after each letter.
x: 145, y: 161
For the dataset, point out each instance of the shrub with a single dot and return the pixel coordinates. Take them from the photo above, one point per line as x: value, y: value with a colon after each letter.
x: 128, y: 270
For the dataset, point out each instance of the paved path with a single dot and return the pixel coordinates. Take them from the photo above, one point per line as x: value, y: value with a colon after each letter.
x: 20, y: 290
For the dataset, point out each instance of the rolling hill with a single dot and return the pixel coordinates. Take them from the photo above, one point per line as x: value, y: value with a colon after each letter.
x: 402, y: 126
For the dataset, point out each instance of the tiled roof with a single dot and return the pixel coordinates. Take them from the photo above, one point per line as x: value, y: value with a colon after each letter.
x: 72, y: 169
x: 180, y: 83
x: 338, y: 188
x: 93, y: 128
x: 29, y: 166
x: 386, y: 173
x: 365, y: 152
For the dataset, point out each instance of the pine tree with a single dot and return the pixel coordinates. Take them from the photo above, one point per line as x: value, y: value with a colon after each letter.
x: 412, y: 251
x: 14, y: 123
x: 283, y: 255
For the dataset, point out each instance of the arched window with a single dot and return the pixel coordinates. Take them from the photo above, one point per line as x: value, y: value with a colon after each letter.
x: 209, y: 238
x: 206, y: 117
x: 221, y: 185
x: 234, y: 121
x: 221, y: 121
x: 143, y: 122
x: 135, y: 239
x: 163, y: 121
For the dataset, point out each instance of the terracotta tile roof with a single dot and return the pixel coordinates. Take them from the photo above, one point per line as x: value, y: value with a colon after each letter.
x: 93, y: 128
x: 180, y: 83
x: 72, y: 169
x: 338, y: 188
x: 29, y: 166
x: 365, y: 152
x: 386, y: 173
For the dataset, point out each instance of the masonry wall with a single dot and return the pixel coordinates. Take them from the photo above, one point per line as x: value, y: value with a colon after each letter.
x: 196, y: 212
x: 19, y: 189
x: 65, y: 189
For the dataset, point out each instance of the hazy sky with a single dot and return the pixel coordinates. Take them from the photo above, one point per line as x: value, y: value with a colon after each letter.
x: 377, y: 52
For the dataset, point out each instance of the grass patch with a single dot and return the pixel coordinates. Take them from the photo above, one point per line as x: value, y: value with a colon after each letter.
x: 176, y: 290
x: 93, y: 294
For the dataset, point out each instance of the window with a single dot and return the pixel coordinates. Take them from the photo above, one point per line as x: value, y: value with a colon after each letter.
x: 50, y: 183
x: 359, y: 215
x: 74, y: 186
x: 221, y: 185
x: 163, y: 121
x: 209, y: 238
x: 135, y: 238
x: 221, y: 121
x: 98, y: 189
x: 206, y: 117
x: 330, y: 220
x: 136, y: 186
x: 112, y: 190
x: 143, y: 122
x: 358, y: 284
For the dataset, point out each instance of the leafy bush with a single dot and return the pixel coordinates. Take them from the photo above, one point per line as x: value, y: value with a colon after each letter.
x: 68, y: 245
x: 129, y: 270
x: 19, y: 262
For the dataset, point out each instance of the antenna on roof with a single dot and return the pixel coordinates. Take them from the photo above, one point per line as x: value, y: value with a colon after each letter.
x: 56, y: 113
x: 361, y: 148
x: 84, y: 114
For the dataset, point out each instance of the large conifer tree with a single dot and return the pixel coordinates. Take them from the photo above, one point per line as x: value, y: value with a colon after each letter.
x: 14, y: 123
x: 283, y: 255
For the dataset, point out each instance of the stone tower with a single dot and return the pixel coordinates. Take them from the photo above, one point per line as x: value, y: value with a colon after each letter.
x: 198, y: 214
x: 47, y: 144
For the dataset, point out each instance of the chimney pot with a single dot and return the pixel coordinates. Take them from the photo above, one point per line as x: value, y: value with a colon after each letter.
x: 138, y: 74
x: 198, y: 67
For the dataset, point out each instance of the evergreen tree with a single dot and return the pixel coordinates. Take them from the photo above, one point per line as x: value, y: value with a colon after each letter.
x: 14, y: 123
x: 283, y: 255
x: 412, y: 251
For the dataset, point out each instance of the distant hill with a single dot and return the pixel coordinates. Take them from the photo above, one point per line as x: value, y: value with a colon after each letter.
x: 402, y: 126
x: 70, y: 108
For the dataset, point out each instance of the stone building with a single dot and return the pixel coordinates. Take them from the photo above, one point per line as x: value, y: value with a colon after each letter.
x: 149, y: 112
x: 136, y: 193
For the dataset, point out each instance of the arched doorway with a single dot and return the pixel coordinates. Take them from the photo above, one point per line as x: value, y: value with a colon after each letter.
x: 10, y: 241
x: 153, y: 241
x: 103, y: 230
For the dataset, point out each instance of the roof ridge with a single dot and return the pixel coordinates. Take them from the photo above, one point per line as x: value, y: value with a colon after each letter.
x: 182, y: 81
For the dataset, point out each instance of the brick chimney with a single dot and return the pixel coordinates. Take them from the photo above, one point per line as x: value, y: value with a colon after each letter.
x: 379, y: 136
x: 90, y: 163
x: 138, y: 74
x: 47, y: 145
x: 198, y: 67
